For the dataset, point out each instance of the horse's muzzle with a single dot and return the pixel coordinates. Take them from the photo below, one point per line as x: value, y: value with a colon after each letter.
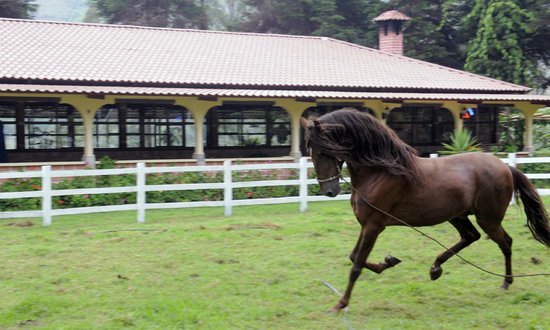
x: 331, y: 190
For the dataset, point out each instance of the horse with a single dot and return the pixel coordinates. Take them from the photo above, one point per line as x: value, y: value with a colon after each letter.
x: 392, y: 186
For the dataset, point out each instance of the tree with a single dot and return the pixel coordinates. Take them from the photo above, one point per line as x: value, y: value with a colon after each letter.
x: 348, y: 20
x: 503, y: 29
x: 161, y: 13
x: 276, y: 16
x: 434, y: 33
x: 17, y: 8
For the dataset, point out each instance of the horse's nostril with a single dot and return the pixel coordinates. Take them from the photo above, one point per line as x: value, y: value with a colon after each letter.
x: 329, y: 193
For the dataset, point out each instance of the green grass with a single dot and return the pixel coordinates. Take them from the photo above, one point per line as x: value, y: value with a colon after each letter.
x: 262, y: 268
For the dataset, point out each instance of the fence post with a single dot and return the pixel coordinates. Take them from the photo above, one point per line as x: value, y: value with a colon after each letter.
x: 140, y: 193
x: 228, y: 187
x: 46, y: 195
x: 512, y: 159
x: 434, y: 155
x: 303, y: 184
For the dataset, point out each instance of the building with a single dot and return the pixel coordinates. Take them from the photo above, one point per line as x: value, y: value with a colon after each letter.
x: 72, y: 91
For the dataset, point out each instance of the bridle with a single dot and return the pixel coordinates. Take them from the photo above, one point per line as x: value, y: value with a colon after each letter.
x: 338, y: 175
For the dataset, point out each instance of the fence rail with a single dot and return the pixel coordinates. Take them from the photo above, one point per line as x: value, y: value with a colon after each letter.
x: 141, y: 187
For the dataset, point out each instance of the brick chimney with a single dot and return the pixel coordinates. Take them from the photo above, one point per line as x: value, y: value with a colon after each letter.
x: 390, y: 31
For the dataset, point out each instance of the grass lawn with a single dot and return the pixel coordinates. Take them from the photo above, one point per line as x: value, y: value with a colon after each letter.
x: 261, y: 268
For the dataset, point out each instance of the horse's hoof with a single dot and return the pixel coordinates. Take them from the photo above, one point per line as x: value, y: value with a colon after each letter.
x: 334, y: 310
x: 505, y: 286
x: 435, y: 273
x: 391, y: 261
x: 337, y: 308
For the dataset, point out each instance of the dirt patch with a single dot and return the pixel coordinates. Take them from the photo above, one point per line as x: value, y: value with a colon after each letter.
x: 21, y: 224
x: 244, y: 226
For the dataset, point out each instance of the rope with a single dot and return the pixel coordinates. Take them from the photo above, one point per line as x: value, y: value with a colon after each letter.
x: 436, y: 241
x: 346, y: 320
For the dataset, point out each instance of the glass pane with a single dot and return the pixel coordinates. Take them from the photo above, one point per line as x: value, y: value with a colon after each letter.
x: 280, y: 135
x: 442, y: 132
x: 107, y: 141
x: 485, y: 133
x: 228, y: 140
x: 400, y: 115
x: 79, y: 141
x: 422, y: 114
x: 132, y: 129
x: 175, y: 136
x: 486, y: 114
x: 422, y: 133
x: 225, y: 128
x: 443, y: 115
x: 254, y: 140
x: 404, y: 131
x: 132, y: 141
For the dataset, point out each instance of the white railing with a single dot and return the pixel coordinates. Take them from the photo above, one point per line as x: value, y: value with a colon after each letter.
x: 46, y: 193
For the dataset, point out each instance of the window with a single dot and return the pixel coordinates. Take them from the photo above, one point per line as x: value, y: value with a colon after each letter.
x: 243, y: 125
x: 130, y: 125
x: 52, y: 126
x: 151, y: 126
x: 7, y: 117
x: 421, y: 125
x: 106, y: 132
x: 483, y: 124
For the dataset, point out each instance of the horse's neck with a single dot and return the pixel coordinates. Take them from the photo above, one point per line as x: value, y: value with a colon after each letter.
x: 370, y: 177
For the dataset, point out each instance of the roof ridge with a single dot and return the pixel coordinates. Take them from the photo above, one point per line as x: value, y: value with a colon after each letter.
x: 439, y: 66
x: 140, y: 27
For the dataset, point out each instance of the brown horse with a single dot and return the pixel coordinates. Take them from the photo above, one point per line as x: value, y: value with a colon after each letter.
x: 391, y: 186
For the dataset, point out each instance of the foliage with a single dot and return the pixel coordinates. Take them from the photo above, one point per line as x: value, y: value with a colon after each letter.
x: 461, y: 141
x: 498, y: 49
x: 17, y: 8
x: 163, y: 13
x: 261, y: 268
x: 433, y: 33
x: 341, y: 19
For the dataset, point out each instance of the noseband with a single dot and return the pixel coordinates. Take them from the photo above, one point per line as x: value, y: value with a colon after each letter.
x: 332, y: 178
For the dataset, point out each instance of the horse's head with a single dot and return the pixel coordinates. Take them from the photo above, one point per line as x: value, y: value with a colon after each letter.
x: 327, y: 168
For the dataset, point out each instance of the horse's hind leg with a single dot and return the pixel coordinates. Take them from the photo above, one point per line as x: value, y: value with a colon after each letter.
x: 468, y: 235
x: 504, y: 241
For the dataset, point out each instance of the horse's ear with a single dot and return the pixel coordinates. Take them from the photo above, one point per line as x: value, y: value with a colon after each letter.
x: 304, y: 122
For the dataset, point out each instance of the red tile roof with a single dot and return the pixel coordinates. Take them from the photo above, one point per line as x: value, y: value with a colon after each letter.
x: 43, y: 52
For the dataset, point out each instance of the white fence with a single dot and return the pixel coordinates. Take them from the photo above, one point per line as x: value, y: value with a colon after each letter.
x: 141, y: 188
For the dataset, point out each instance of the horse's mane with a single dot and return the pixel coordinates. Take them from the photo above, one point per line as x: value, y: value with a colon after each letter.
x: 361, y: 140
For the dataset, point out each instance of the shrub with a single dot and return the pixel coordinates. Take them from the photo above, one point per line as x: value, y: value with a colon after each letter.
x: 461, y: 141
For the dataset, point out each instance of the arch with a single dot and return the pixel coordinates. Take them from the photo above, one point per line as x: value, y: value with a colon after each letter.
x: 41, y: 125
x: 321, y: 109
x: 136, y: 125
x: 247, y: 125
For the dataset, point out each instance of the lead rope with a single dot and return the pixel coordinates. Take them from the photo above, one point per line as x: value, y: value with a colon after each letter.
x: 435, y: 240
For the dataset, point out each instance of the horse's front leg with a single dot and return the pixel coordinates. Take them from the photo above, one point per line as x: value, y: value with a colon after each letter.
x: 368, y: 236
x: 378, y: 268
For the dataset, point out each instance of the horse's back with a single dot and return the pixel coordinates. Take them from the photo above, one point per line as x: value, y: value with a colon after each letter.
x: 469, y: 183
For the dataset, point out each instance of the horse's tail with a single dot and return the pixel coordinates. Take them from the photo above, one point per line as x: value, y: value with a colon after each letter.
x: 537, y: 217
